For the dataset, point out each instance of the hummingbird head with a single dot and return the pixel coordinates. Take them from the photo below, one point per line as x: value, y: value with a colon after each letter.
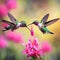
x: 23, y: 24
x: 35, y: 22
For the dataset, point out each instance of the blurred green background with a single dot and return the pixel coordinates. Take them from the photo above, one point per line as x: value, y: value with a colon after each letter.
x: 30, y: 10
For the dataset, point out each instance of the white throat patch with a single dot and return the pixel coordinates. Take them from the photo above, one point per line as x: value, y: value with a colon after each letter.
x: 18, y: 25
x: 40, y: 25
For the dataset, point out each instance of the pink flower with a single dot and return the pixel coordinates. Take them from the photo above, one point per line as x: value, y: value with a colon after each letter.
x: 11, y: 4
x: 3, y: 42
x: 15, y: 37
x: 3, y: 10
x: 4, y: 24
x: 46, y: 47
x: 32, y: 48
x: 6, y: 6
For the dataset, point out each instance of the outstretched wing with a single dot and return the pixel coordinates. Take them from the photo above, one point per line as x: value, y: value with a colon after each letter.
x: 51, y: 22
x: 7, y: 22
x: 44, y: 19
x: 12, y: 18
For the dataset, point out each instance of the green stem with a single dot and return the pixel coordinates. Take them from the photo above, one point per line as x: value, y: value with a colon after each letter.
x: 2, y: 54
x: 33, y: 58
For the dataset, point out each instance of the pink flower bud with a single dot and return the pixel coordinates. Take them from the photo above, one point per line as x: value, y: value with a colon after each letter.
x: 32, y: 31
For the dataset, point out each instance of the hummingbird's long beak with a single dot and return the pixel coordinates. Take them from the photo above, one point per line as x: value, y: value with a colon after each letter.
x: 29, y: 24
x: 28, y: 28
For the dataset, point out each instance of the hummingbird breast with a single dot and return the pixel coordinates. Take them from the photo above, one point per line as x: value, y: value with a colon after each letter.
x: 42, y: 30
x: 18, y: 25
x: 40, y: 26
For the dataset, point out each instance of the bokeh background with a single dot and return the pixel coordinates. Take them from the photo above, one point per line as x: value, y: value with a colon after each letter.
x: 30, y: 10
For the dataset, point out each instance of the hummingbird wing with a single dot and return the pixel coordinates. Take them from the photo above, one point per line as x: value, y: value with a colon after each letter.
x: 44, y: 19
x: 51, y: 22
x: 7, y: 22
x: 12, y: 18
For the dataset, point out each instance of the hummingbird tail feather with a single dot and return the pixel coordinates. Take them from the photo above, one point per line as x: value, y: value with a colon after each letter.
x: 43, y: 32
x: 50, y: 32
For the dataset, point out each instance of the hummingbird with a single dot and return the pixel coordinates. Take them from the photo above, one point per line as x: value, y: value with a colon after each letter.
x: 14, y: 24
x: 43, y: 24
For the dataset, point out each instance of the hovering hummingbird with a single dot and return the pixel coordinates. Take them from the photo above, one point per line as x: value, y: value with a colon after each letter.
x: 14, y: 24
x: 43, y: 24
